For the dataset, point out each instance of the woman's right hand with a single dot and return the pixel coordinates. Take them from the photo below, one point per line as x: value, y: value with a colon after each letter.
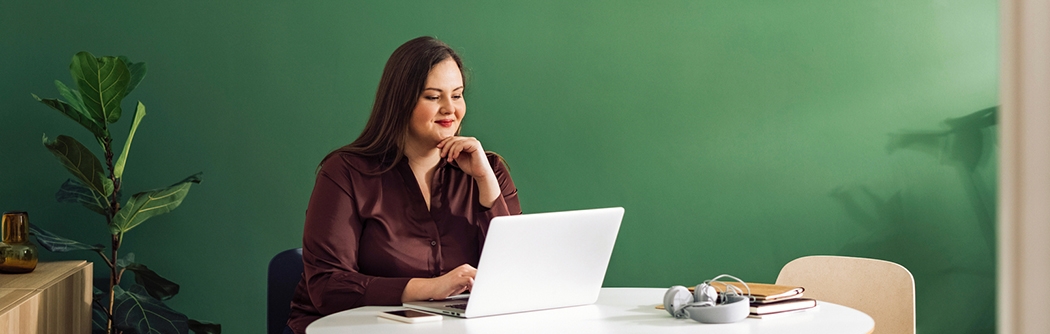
x: 450, y: 284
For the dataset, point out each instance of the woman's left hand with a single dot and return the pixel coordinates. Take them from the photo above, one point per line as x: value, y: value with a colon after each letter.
x: 470, y: 157
x: 468, y: 154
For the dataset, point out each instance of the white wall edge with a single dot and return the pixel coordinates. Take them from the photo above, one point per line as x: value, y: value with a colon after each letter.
x: 1023, y: 275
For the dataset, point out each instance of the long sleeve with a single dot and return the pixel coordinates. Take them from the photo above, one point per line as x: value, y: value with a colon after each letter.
x: 506, y: 203
x: 330, y: 248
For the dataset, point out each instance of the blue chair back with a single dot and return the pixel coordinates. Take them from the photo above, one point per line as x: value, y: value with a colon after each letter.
x: 286, y: 268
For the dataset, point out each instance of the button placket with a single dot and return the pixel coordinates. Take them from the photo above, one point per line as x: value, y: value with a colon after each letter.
x: 436, y: 203
x: 435, y: 247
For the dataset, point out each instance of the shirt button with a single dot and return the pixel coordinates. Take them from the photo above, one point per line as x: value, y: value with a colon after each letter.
x: 433, y: 243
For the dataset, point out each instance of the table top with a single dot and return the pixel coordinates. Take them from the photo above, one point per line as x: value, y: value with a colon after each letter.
x: 45, y: 274
x: 618, y: 310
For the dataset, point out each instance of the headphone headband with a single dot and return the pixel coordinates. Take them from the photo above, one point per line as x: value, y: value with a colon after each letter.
x: 731, y: 289
x: 705, y: 305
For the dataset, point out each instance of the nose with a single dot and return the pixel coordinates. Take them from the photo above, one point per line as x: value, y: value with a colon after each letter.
x: 447, y: 107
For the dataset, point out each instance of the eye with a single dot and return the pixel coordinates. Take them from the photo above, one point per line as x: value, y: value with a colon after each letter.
x: 457, y: 97
x: 432, y: 98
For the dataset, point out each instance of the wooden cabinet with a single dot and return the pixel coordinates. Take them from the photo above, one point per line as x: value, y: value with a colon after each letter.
x: 54, y: 298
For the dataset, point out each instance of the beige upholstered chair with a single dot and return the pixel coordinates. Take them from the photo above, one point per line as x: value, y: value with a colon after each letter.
x: 882, y: 289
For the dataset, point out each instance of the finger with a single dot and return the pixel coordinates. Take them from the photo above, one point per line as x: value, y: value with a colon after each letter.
x: 461, y: 285
x: 453, y: 152
x: 459, y: 291
x: 444, y: 141
x: 467, y: 268
x: 444, y: 145
x: 468, y: 145
x: 474, y: 147
x: 454, y: 148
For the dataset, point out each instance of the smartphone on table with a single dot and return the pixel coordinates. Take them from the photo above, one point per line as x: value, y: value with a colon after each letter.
x: 409, y: 316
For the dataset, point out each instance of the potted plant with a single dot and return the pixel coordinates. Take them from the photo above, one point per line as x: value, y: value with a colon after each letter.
x: 95, y: 103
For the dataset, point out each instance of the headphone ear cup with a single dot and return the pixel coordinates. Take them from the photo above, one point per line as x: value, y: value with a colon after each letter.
x: 705, y: 293
x: 676, y: 299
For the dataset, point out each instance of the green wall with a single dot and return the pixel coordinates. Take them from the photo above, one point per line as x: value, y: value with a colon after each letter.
x: 738, y: 135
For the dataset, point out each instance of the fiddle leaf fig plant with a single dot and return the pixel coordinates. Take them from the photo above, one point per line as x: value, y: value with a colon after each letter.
x: 95, y: 103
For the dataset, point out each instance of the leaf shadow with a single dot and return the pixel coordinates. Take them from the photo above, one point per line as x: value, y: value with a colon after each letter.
x: 895, y: 230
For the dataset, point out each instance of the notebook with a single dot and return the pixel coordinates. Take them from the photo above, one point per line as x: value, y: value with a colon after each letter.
x: 764, y: 292
x: 538, y: 261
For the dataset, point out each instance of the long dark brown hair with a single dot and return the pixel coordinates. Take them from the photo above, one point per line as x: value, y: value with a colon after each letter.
x: 404, y: 78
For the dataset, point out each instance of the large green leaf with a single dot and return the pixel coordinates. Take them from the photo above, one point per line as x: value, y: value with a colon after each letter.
x: 118, y: 167
x: 199, y: 327
x: 126, y: 261
x: 138, y: 71
x: 73, y: 96
x: 134, y: 311
x: 156, y: 286
x: 72, y: 191
x: 54, y: 243
x: 81, y: 163
x: 71, y: 112
x: 103, y: 83
x: 147, y: 204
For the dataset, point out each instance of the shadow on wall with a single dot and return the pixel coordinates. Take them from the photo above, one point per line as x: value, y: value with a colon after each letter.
x: 947, y: 242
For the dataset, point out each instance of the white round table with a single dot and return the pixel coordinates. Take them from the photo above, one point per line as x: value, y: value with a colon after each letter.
x: 618, y: 310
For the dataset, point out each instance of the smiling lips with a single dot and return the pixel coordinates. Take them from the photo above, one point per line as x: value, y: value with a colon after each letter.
x: 445, y: 123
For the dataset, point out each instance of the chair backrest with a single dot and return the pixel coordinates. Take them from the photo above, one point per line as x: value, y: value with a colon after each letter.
x: 286, y: 269
x: 882, y: 289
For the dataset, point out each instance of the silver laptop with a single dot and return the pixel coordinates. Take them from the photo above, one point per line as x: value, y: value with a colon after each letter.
x: 537, y: 261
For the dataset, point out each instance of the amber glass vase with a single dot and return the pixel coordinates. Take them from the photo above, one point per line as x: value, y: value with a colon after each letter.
x: 18, y: 254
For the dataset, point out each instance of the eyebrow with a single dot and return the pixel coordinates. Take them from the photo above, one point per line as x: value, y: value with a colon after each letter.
x: 439, y: 90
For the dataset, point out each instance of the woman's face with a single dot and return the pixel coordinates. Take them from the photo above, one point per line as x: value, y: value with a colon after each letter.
x: 440, y: 108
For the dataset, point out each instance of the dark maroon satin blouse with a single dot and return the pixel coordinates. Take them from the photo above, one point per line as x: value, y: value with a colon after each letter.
x: 366, y: 235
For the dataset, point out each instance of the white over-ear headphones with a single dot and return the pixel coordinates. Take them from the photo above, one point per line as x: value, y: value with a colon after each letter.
x: 704, y: 304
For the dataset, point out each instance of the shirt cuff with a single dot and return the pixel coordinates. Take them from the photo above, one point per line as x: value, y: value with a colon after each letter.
x: 385, y: 291
x: 499, y: 208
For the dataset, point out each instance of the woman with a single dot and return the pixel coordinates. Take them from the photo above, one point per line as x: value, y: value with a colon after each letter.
x: 401, y: 213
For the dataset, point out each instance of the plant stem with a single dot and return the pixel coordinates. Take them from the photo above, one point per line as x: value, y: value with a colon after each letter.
x: 121, y: 274
x: 103, y: 255
x: 113, y: 281
x: 114, y: 205
x: 109, y: 313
